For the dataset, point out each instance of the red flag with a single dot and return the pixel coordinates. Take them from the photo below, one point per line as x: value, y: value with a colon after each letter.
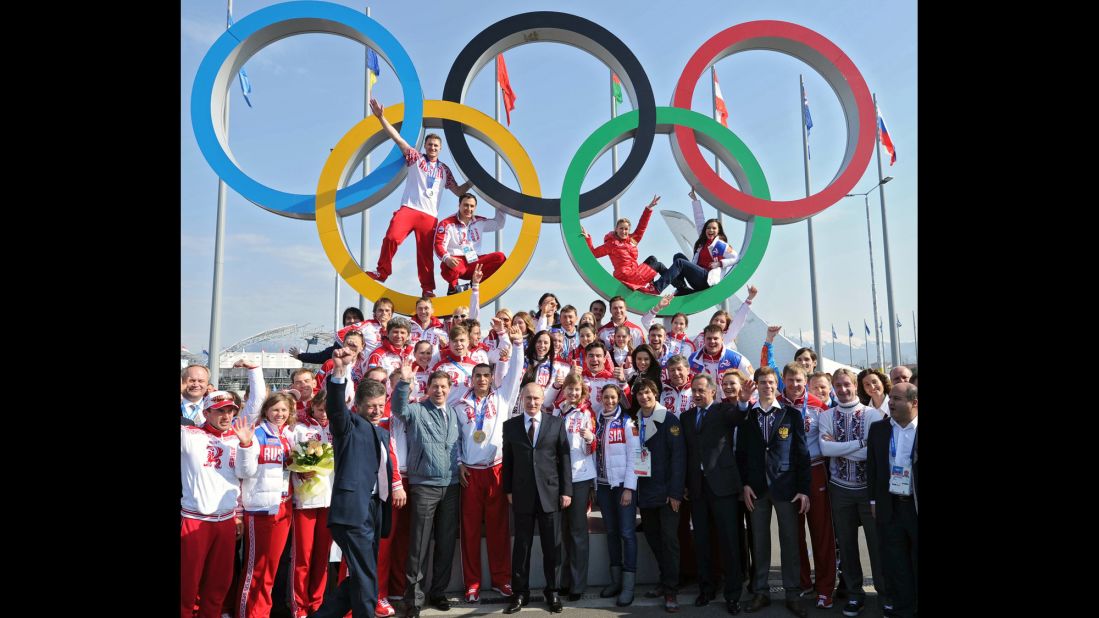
x: 719, y: 103
x: 505, y: 86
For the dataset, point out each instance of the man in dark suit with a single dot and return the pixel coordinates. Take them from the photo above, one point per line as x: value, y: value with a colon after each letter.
x: 713, y: 482
x: 363, y: 490
x: 892, y: 473
x: 537, y: 479
x: 775, y: 459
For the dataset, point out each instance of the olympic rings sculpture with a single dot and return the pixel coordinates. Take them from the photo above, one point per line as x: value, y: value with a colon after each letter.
x: 688, y: 129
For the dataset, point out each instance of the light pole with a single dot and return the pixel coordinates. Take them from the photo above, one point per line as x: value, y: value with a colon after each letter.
x: 870, y: 244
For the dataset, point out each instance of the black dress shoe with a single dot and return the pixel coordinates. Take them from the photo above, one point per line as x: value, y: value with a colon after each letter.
x: 441, y: 603
x: 797, y: 608
x: 758, y: 602
x: 514, y: 605
x: 411, y: 611
x: 733, y: 607
x: 554, y: 601
x: 703, y: 598
x: 574, y: 597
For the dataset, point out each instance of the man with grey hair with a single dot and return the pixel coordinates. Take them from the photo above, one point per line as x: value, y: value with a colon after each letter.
x: 899, y: 374
x: 713, y: 483
x: 433, y: 431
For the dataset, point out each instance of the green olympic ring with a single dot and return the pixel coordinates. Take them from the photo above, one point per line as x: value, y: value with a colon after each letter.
x: 617, y: 130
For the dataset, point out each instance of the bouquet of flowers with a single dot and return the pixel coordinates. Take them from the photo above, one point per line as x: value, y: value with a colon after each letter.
x: 312, y: 456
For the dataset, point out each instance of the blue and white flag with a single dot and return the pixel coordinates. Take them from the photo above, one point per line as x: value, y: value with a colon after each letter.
x: 245, y: 83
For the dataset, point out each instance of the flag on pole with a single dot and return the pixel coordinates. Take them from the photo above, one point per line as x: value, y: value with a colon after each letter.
x: 616, y: 88
x: 372, y: 68
x: 834, y: 335
x: 885, y: 140
x: 505, y: 86
x: 850, y: 333
x: 898, y: 321
x: 808, y: 118
x: 866, y: 326
x: 245, y: 83
x: 719, y: 103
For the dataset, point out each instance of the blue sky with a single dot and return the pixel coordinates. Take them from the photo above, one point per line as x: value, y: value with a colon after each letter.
x: 308, y: 91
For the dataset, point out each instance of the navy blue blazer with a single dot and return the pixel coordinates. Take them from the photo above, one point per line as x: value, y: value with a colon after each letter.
x: 779, y: 463
x: 357, y: 445
x: 668, y: 450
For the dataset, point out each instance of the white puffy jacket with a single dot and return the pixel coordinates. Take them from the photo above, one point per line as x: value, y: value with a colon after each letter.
x: 615, y: 451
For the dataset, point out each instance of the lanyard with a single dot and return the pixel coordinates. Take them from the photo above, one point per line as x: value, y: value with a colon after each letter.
x: 480, y: 414
x: 458, y: 364
x: 641, y: 421
x: 431, y: 172
x: 893, y: 446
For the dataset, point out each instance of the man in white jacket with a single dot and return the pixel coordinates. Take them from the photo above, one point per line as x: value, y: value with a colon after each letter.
x: 458, y: 243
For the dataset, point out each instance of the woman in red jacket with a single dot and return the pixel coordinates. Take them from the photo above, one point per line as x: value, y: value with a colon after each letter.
x: 621, y: 246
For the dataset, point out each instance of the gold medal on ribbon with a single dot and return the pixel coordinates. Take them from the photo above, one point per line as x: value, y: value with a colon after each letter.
x: 478, y: 436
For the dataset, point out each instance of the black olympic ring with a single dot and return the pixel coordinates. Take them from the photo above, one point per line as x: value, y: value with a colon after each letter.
x: 560, y: 28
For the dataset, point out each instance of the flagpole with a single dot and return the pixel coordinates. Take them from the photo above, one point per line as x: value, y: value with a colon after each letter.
x: 812, y: 253
x: 717, y: 168
x: 336, y: 307
x: 866, y: 346
x: 873, y: 281
x: 894, y: 335
x: 879, y: 337
x: 614, y: 149
x: 364, y: 252
x: 915, y: 341
x: 498, y: 235
x: 850, y: 350
x: 833, y: 345
x: 214, y: 359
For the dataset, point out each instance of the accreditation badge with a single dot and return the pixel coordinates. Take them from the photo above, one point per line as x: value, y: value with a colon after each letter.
x: 900, y: 481
x: 642, y: 462
x: 478, y: 436
x: 469, y: 253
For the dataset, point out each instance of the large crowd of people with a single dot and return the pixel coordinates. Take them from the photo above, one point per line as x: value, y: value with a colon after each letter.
x: 439, y: 430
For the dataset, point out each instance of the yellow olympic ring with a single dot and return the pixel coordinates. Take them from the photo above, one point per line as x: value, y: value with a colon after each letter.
x: 493, y: 134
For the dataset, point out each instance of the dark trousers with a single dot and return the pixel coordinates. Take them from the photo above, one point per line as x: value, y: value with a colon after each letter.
x: 359, y: 592
x: 667, y: 275
x: 899, y: 540
x: 661, y: 526
x: 575, y: 526
x: 689, y: 273
x: 851, y: 508
x: 433, y: 514
x: 744, y: 535
x: 549, y: 534
x: 724, y: 511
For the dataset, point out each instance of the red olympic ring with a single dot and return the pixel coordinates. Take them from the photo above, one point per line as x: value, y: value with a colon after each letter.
x: 834, y: 66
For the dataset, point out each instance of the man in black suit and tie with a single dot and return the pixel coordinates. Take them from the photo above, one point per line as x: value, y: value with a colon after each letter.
x: 775, y: 459
x: 892, y: 473
x: 713, y: 483
x: 362, y: 490
x: 537, y: 479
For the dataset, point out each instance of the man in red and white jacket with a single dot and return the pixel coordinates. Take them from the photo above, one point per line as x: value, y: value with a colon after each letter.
x: 458, y: 243
x: 676, y: 395
x: 596, y: 375
x: 481, y: 412
x: 393, y: 352
x: 419, y: 211
x: 618, y: 318
x: 210, y: 469
x: 426, y: 327
x: 456, y: 362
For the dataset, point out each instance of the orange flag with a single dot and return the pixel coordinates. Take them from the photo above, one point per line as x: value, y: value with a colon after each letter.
x: 505, y: 86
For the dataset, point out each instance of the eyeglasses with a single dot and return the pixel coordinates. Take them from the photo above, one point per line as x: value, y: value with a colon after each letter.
x: 462, y: 315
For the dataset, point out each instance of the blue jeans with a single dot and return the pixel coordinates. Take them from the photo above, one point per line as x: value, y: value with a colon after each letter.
x: 620, y: 522
x: 688, y: 273
x: 667, y: 276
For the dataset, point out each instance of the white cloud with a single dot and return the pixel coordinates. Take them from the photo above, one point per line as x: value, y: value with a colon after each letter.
x: 202, y: 34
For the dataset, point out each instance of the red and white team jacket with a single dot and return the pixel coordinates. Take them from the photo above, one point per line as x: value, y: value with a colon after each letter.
x: 210, y: 469
x: 606, y: 333
x: 496, y: 408
x: 811, y: 411
x: 716, y: 364
x: 677, y: 400
x: 388, y: 357
x: 460, y: 371
x: 484, y: 353
x: 596, y: 382
x: 452, y: 236
x: 581, y: 454
x: 434, y: 332
x: 372, y: 330
x: 307, y: 429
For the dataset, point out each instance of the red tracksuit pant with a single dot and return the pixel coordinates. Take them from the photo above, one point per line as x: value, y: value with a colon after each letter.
x: 206, y: 565
x: 464, y: 270
x: 310, y: 546
x: 264, y: 539
x: 484, y: 500
x: 405, y: 221
x: 822, y: 534
x: 398, y: 548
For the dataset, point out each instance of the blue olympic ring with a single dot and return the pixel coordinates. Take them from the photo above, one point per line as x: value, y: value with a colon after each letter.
x: 239, y: 43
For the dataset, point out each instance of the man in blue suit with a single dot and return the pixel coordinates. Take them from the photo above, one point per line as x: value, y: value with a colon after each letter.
x: 362, y: 492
